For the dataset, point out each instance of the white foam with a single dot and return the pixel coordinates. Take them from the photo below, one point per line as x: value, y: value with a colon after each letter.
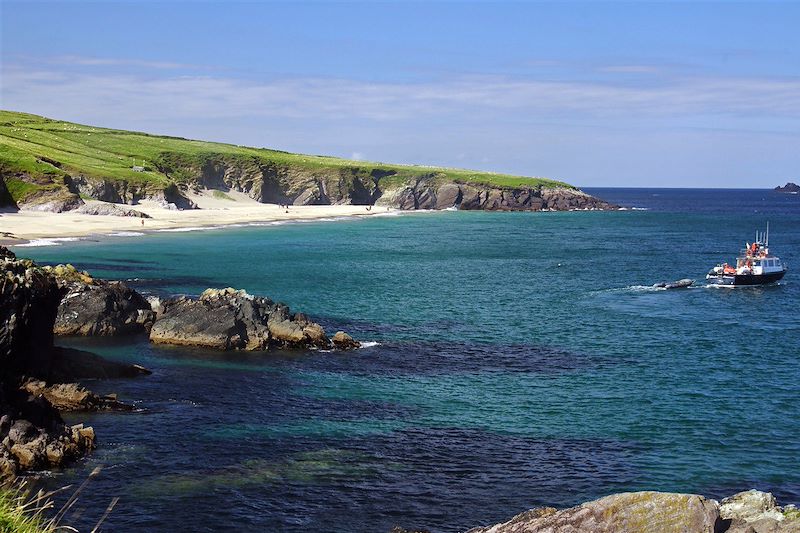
x: 126, y: 234
x: 370, y: 344
x: 48, y: 242
x: 188, y: 228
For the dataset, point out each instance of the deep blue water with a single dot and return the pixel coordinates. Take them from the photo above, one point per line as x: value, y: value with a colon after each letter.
x: 523, y: 361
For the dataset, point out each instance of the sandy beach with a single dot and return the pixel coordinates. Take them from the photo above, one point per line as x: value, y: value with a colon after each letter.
x: 24, y: 226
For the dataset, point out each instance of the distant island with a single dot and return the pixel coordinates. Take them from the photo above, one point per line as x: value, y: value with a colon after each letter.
x: 56, y: 166
x: 791, y: 188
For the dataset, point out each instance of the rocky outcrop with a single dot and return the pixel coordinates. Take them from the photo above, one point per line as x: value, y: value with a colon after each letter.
x: 230, y: 319
x: 789, y: 188
x: 109, y: 209
x: 431, y: 193
x: 32, y: 433
x: 73, y: 397
x: 98, y: 308
x: 637, y: 512
x: 33, y: 436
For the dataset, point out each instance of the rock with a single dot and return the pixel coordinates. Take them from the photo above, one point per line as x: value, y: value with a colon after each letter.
x: 100, y: 308
x: 56, y: 201
x: 32, y: 433
x: 5, y: 253
x: 754, y: 511
x: 448, y: 195
x: 790, y: 187
x: 109, y: 209
x: 73, y: 397
x: 343, y: 341
x: 230, y: 319
x: 620, y: 513
x: 749, y: 506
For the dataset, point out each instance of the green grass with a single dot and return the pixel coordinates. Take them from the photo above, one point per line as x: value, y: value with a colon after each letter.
x: 18, y: 514
x: 47, y: 149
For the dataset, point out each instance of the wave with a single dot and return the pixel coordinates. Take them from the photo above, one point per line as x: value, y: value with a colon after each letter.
x: 370, y: 344
x: 126, y: 234
x: 55, y: 241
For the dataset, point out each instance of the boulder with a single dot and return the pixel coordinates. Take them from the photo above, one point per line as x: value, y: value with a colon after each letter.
x: 99, y: 308
x: 343, y: 341
x: 754, y: 511
x: 632, y: 512
x: 109, y: 209
x: 230, y: 319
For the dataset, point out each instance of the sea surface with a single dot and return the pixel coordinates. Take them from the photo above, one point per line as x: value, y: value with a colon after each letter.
x: 514, y: 360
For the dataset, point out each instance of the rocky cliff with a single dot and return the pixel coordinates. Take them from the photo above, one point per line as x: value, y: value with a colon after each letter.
x: 32, y: 433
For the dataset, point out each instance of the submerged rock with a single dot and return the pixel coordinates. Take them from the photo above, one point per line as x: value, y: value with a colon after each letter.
x: 230, y: 319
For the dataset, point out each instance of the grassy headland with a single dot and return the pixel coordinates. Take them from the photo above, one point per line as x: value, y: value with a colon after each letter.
x: 39, y: 154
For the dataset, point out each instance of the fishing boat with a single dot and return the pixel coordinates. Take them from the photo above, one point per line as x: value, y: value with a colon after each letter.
x: 755, y: 265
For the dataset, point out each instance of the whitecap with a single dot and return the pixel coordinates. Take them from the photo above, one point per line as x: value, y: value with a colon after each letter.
x: 48, y: 242
x: 370, y: 344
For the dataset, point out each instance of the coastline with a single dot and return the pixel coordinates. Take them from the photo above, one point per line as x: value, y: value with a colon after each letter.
x: 20, y: 228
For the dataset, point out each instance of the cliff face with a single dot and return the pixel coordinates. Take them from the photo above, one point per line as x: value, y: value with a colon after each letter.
x: 32, y: 433
x: 273, y: 183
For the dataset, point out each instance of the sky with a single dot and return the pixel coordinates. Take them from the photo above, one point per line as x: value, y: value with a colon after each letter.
x: 638, y: 94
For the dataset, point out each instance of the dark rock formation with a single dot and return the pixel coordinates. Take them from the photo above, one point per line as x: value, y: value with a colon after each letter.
x: 230, y: 319
x: 430, y: 193
x: 789, y: 188
x: 6, y: 200
x: 635, y: 512
x: 97, y: 307
x: 32, y: 433
x: 109, y: 209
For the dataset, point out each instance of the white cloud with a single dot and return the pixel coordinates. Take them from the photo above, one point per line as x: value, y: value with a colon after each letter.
x: 59, y: 92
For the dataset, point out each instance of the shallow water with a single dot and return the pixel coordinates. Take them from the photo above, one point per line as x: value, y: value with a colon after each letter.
x: 523, y: 360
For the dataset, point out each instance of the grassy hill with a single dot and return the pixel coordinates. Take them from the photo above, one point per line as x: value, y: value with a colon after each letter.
x: 53, y: 165
x: 38, y: 152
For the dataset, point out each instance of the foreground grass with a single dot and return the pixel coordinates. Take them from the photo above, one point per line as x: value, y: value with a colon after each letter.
x: 49, y: 149
x: 19, y: 514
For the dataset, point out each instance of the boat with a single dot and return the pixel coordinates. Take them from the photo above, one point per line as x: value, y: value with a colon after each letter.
x: 755, y: 265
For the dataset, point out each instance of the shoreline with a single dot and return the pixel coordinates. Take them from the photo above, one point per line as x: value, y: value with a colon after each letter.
x: 23, y: 228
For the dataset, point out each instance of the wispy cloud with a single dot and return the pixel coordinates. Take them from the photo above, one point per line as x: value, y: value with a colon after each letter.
x: 53, y: 91
x: 631, y: 69
x: 87, y: 61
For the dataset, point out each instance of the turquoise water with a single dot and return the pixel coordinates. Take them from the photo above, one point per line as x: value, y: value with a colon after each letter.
x: 523, y: 360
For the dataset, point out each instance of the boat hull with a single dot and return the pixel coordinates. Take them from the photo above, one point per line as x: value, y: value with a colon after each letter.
x: 736, y: 280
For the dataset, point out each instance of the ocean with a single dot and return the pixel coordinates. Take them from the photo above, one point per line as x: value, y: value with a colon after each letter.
x: 514, y: 360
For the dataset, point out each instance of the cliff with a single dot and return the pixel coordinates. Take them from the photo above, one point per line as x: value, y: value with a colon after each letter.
x: 52, y: 165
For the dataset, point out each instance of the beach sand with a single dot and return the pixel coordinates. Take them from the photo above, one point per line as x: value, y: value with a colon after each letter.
x: 22, y: 226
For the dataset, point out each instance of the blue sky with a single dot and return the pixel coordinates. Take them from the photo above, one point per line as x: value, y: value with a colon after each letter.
x: 598, y: 94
